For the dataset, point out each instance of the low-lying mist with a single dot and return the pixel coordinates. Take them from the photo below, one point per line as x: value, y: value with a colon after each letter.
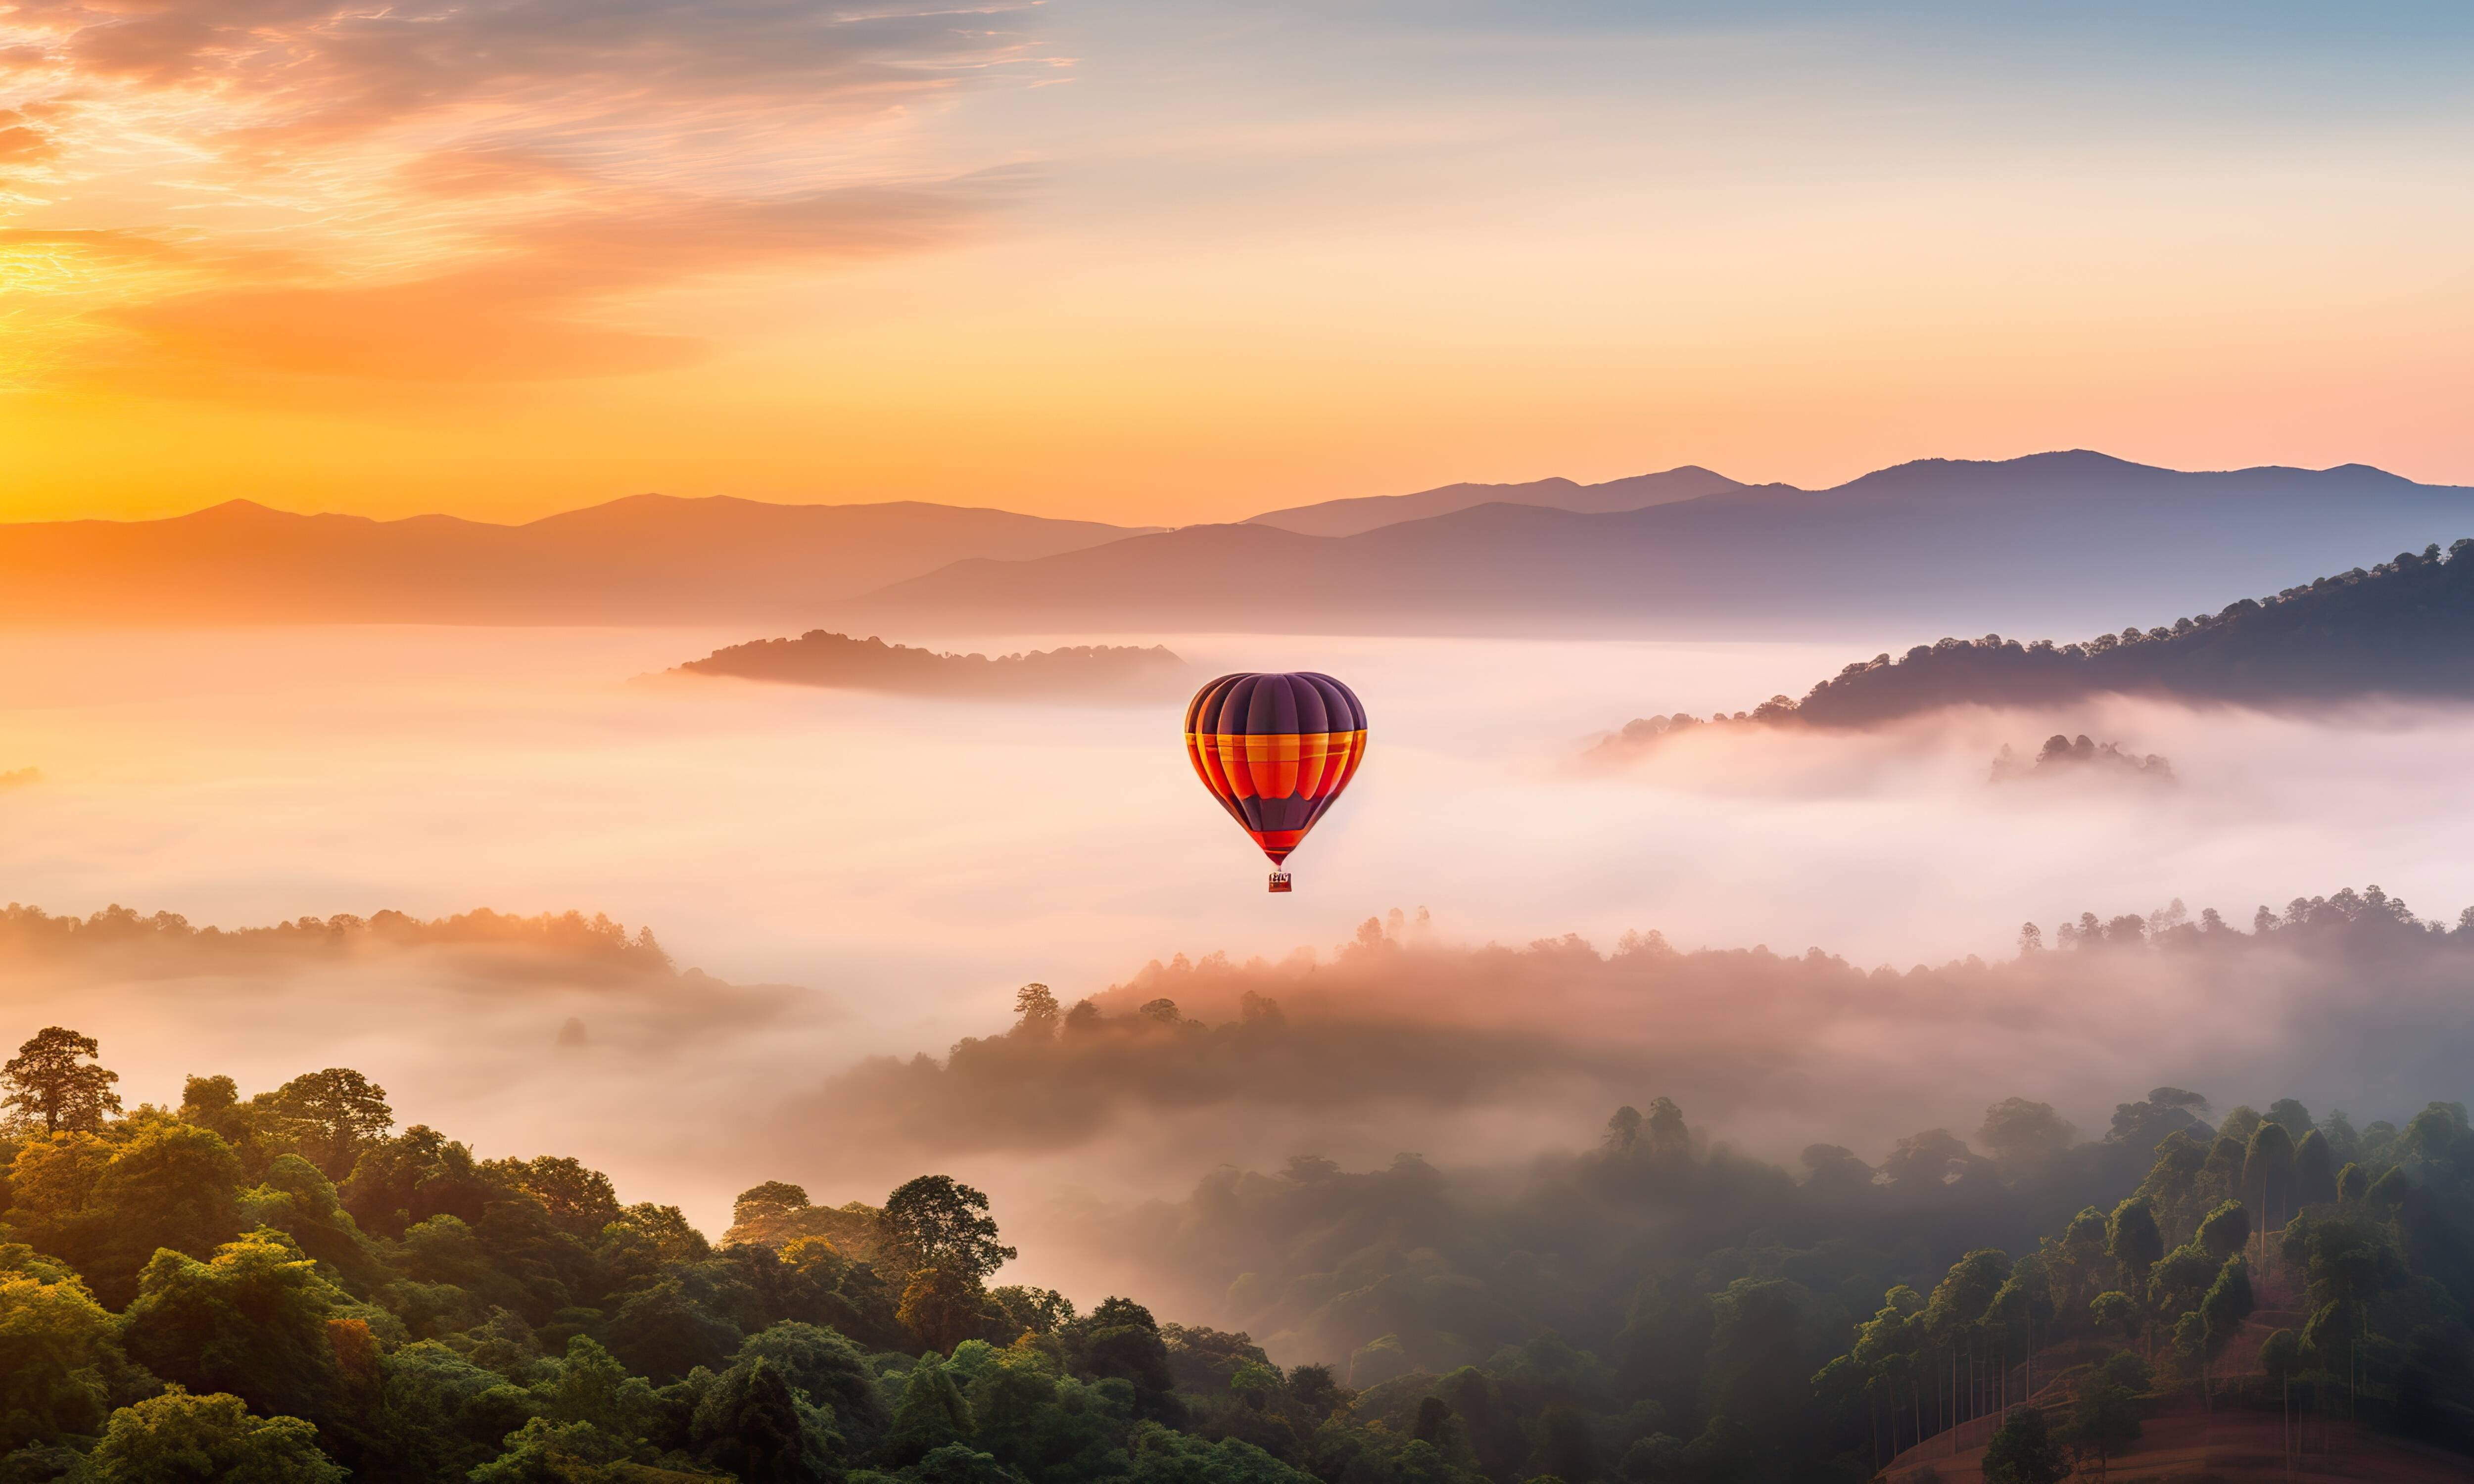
x: 908, y: 862
x: 1480, y: 1055
x: 552, y: 1034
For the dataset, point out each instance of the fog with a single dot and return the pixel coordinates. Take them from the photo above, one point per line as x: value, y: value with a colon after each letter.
x: 895, y: 867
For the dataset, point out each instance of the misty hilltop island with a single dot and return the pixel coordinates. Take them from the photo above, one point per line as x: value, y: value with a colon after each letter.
x: 2402, y: 630
x: 2063, y: 756
x: 1082, y: 672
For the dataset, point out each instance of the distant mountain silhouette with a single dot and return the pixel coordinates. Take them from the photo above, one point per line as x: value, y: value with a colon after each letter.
x: 2402, y: 628
x: 2061, y: 541
x: 1082, y: 672
x: 647, y: 559
x: 1349, y: 518
x: 2052, y: 540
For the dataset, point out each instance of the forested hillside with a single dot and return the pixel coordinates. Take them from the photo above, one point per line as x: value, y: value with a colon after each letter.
x: 2404, y: 628
x: 285, y: 1286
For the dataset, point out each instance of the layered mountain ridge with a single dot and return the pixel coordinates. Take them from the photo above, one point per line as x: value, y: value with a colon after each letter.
x: 2058, y: 539
x: 2068, y: 539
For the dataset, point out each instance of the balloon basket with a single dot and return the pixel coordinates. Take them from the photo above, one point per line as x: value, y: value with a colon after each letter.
x: 1279, y: 880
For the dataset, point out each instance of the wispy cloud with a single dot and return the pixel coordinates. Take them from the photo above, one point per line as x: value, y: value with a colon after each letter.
x: 323, y: 68
x: 461, y: 191
x: 520, y: 305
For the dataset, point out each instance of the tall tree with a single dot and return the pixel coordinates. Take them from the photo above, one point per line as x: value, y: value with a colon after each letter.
x: 749, y: 1423
x: 2281, y: 1357
x: 2025, y: 1137
x: 2267, y: 1172
x: 1035, y: 1004
x: 942, y: 1305
x: 2025, y: 1451
x: 2133, y: 1241
x: 578, y: 1196
x: 936, y: 1221
x: 2224, y: 1231
x: 2315, y: 1171
x: 2105, y: 1420
x: 339, y: 1113
x: 2226, y: 1309
x: 55, y: 1082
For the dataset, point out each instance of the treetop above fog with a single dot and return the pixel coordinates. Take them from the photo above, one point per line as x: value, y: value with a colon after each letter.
x: 2403, y: 627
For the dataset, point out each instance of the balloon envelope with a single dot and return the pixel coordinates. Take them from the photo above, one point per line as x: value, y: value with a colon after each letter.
x: 1275, y: 750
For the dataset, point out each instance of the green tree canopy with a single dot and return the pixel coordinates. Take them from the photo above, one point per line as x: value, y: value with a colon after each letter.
x: 54, y: 1341
x: 2104, y: 1418
x: 338, y: 1113
x: 752, y: 1424
x: 2023, y: 1450
x: 251, y: 1321
x: 931, y: 1415
x: 178, y: 1438
x: 2226, y: 1230
x: 53, y: 1084
x: 936, y: 1221
x: 2133, y: 1240
x: 2268, y: 1166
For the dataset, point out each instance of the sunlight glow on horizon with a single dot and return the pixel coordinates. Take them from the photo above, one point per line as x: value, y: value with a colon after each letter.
x: 1252, y: 258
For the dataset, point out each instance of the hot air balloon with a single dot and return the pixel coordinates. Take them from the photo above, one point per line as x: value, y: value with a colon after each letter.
x: 1275, y: 750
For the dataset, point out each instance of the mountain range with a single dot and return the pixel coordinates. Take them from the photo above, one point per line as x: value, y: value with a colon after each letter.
x: 2069, y: 539
x: 1352, y: 518
x: 649, y: 559
x: 2060, y: 540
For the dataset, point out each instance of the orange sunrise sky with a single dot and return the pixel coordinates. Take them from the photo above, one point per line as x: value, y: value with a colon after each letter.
x: 1167, y: 261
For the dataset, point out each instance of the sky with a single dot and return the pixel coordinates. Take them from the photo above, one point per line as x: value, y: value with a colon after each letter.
x: 1166, y: 262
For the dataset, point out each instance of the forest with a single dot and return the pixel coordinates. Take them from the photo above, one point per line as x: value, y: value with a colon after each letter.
x: 1077, y: 671
x: 2404, y: 628
x: 29, y: 934
x: 286, y: 1286
x: 1420, y: 1042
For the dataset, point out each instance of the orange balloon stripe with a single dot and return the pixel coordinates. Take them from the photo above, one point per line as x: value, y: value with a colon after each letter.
x: 1205, y: 758
x: 1283, y: 765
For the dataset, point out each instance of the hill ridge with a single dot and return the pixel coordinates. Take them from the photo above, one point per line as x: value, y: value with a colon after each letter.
x: 2048, y: 540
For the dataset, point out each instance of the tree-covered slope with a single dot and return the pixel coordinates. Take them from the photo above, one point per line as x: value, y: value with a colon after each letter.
x: 285, y: 1286
x: 2404, y: 628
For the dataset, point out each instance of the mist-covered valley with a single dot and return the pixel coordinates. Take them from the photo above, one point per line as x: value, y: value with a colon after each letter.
x: 876, y: 875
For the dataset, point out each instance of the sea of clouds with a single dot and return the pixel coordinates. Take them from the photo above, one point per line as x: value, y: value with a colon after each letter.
x: 893, y: 868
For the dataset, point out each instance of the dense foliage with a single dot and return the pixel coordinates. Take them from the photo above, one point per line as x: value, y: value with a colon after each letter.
x: 284, y: 1286
x: 2404, y: 628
